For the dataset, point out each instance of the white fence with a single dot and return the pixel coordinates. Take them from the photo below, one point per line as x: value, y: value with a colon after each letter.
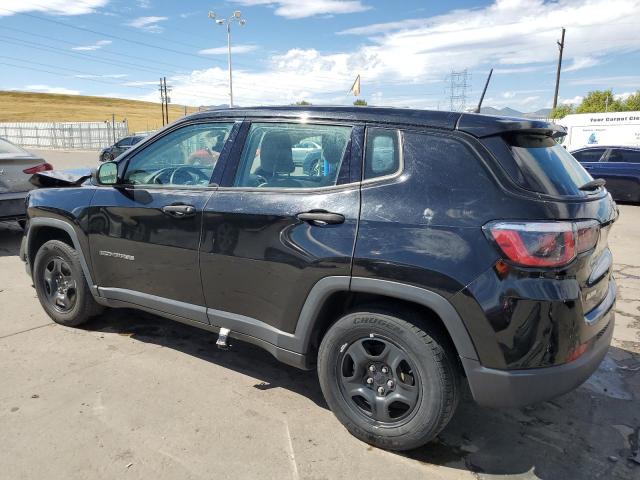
x: 64, y: 135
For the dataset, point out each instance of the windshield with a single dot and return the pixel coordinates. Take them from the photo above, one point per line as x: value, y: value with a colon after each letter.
x: 546, y: 167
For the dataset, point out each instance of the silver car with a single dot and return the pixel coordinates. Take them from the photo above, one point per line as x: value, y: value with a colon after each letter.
x: 16, y: 167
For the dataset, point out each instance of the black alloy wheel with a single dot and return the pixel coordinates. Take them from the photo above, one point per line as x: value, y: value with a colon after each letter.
x: 378, y: 380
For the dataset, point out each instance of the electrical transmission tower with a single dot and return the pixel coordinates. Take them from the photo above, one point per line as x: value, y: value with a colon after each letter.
x: 458, y: 89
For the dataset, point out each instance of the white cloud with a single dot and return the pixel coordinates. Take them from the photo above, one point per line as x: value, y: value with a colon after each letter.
x: 96, y: 46
x: 515, y: 70
x: 509, y: 94
x: 108, y: 75
x: 515, y: 36
x: 47, y: 89
x: 572, y: 101
x: 623, y: 96
x: 223, y: 50
x: 150, y: 24
x: 621, y: 81
x: 140, y: 83
x: 55, y: 7
x: 143, y: 3
x: 300, y: 9
x: 581, y: 62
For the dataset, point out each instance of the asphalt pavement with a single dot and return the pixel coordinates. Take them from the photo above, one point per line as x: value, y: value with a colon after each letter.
x: 132, y: 395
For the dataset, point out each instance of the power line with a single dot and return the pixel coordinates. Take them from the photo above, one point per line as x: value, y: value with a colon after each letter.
x: 58, y: 51
x: 108, y: 35
x: 102, y: 51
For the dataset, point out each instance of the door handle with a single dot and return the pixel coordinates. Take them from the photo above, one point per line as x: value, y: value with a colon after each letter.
x: 180, y: 211
x: 321, y: 217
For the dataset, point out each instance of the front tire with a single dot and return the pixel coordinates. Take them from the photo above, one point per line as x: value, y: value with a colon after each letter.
x: 391, y: 383
x: 61, y: 285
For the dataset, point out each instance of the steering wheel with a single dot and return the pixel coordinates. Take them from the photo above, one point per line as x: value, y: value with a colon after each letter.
x: 260, y: 180
x: 191, y: 172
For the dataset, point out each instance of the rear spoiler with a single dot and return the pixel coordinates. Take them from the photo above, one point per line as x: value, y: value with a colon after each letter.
x: 61, y: 178
x: 478, y: 126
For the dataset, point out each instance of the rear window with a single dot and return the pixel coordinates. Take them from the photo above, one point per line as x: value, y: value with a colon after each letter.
x: 544, y: 166
x: 11, y: 149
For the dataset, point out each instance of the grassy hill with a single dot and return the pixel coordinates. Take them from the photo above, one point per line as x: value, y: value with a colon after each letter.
x: 49, y: 107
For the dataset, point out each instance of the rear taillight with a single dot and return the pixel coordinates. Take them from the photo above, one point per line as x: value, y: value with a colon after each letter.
x: 43, y: 167
x: 587, y: 234
x: 543, y: 244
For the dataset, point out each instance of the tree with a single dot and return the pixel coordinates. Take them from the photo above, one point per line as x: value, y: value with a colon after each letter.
x: 561, y: 111
x: 632, y: 103
x: 360, y: 102
x: 599, y: 101
x: 302, y: 103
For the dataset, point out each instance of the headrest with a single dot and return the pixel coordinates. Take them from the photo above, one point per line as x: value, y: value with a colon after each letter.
x: 275, y: 153
x: 333, y: 147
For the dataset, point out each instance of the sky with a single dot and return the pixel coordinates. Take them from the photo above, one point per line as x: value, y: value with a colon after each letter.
x: 293, y: 50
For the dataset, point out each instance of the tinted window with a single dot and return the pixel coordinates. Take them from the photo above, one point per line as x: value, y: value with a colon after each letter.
x: 125, y: 142
x: 10, y: 148
x: 273, y: 156
x: 447, y: 170
x: 383, y: 154
x: 186, y: 156
x: 546, y: 167
x: 588, y: 155
x: 632, y: 156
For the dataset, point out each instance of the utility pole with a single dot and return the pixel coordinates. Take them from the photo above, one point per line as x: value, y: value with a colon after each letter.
x: 484, y: 91
x: 561, y: 48
x: 236, y: 17
x: 167, y: 100
x: 162, y: 100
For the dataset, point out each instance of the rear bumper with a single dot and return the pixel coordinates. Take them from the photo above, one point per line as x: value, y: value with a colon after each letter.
x: 513, y: 388
x: 12, y: 205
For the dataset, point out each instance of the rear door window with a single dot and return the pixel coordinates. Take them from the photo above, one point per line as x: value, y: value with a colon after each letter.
x: 538, y: 163
x: 589, y: 155
x: 621, y: 155
x: 292, y: 155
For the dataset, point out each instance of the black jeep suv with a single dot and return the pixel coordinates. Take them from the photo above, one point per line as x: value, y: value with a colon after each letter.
x: 430, y: 247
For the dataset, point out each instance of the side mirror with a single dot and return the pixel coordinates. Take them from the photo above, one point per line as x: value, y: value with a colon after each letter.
x: 107, y: 173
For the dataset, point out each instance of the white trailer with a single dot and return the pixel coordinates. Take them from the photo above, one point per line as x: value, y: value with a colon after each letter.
x: 608, y: 129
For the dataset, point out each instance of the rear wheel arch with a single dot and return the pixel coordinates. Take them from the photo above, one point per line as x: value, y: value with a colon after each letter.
x: 423, y: 306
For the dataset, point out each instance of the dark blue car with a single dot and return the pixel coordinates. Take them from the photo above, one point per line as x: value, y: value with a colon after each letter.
x: 619, y: 166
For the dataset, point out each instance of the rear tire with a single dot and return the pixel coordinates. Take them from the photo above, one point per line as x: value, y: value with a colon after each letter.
x: 412, y: 391
x: 61, y: 285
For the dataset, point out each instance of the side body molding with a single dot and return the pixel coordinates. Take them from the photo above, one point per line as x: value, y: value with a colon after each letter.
x: 38, y: 222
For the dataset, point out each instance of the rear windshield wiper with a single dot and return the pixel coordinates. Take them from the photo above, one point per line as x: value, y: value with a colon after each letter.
x: 593, y: 184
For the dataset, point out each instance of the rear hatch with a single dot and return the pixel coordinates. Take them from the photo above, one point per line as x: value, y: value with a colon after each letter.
x: 543, y: 169
x: 13, y: 163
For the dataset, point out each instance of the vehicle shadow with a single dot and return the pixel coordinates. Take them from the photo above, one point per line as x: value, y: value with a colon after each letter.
x: 586, y: 434
x: 10, y: 237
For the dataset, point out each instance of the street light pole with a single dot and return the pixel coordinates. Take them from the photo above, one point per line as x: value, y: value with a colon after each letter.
x: 236, y: 17
x: 230, y: 67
